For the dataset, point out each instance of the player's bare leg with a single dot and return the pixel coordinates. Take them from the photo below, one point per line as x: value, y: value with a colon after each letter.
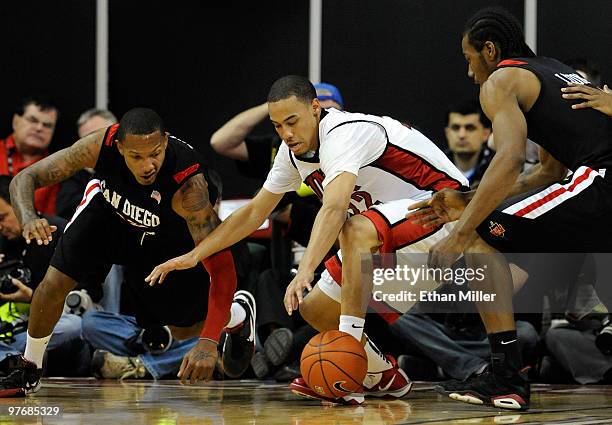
x: 24, y: 372
x: 384, y: 378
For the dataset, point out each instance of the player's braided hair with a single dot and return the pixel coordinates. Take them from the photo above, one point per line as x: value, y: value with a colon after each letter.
x: 292, y: 85
x: 500, y: 27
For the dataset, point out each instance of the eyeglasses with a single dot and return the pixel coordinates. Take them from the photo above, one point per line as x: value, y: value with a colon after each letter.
x: 35, y: 121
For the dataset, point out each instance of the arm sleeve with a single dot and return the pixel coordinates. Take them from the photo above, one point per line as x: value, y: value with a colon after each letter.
x: 223, y: 281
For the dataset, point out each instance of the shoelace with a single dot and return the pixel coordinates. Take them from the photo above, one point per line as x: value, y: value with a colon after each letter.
x: 136, y: 371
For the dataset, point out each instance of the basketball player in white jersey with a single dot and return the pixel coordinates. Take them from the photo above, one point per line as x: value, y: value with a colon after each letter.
x: 366, y: 170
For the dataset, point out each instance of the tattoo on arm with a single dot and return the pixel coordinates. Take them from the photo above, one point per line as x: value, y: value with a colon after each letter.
x: 195, y: 203
x: 202, y: 355
x: 51, y: 170
x: 195, y: 194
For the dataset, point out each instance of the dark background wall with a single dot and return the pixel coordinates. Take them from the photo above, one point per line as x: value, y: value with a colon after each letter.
x: 199, y: 63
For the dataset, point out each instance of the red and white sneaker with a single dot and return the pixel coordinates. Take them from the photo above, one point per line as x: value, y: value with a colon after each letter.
x: 394, y: 383
x: 298, y: 386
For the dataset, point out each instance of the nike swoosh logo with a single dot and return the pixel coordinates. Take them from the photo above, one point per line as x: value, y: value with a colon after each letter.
x: 338, y: 385
x: 508, y: 342
x: 356, y: 327
x: 386, y: 387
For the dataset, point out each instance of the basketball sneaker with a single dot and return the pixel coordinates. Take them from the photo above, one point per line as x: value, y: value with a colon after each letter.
x: 392, y: 383
x: 18, y: 376
x: 498, y: 386
x: 298, y: 386
x: 238, y: 343
x: 111, y: 366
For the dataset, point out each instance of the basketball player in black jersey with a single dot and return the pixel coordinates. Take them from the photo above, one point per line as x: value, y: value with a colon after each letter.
x: 148, y: 198
x: 537, y: 211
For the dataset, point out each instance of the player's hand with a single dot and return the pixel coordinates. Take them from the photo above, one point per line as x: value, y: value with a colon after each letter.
x: 593, y: 97
x: 446, y: 251
x: 22, y: 294
x: 159, y: 273
x: 443, y: 207
x: 199, y: 363
x: 293, y: 294
x: 39, y: 229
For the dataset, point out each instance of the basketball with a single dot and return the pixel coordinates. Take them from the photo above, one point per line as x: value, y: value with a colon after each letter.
x: 334, y: 364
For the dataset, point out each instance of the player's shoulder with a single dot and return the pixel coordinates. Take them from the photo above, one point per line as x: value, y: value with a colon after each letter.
x: 348, y: 121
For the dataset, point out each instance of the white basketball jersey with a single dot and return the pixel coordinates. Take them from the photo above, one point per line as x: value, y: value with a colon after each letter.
x: 391, y: 161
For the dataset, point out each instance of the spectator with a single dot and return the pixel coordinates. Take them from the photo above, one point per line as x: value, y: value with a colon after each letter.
x: 33, y: 127
x: 467, y: 131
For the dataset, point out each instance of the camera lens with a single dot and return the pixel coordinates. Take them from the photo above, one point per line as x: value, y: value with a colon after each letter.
x: 73, y: 300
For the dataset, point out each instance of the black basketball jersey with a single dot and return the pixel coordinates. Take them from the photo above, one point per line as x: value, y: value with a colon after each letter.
x: 573, y: 137
x: 148, y: 207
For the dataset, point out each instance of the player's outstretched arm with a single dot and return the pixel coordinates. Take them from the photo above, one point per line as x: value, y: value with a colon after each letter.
x: 593, y: 97
x: 48, y: 171
x: 325, y: 231
x: 236, y: 227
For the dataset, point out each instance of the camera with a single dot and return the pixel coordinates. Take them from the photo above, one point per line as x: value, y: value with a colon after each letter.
x: 78, y: 302
x: 152, y: 339
x: 13, y: 269
x: 156, y: 339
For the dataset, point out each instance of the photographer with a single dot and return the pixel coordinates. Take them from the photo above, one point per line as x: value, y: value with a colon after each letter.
x: 22, y: 268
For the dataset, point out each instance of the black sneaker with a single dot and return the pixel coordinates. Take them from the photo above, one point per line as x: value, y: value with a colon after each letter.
x: 18, y: 376
x: 239, y: 342
x: 498, y: 386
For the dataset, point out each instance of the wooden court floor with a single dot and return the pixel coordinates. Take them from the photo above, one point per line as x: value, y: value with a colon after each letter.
x: 87, y: 401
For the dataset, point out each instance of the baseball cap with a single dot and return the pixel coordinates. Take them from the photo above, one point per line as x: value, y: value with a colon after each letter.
x: 329, y: 92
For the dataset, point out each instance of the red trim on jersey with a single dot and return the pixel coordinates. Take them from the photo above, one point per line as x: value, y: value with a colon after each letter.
x: 92, y: 187
x: 511, y: 62
x: 414, y: 170
x: 181, y: 175
x: 554, y: 194
x: 110, y: 135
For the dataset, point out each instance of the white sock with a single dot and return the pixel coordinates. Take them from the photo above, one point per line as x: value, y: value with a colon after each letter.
x: 352, y: 325
x: 237, y: 315
x: 35, y: 349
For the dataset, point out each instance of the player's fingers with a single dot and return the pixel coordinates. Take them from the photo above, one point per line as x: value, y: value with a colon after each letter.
x: 195, y: 374
x: 288, y: 303
x: 419, y: 205
x: 152, y: 277
x: 163, y: 274
x: 416, y: 214
x: 579, y: 95
x: 52, y: 228
x: 42, y: 238
x: 433, y: 223
x: 183, y: 366
x: 582, y: 105
x: 187, y: 372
